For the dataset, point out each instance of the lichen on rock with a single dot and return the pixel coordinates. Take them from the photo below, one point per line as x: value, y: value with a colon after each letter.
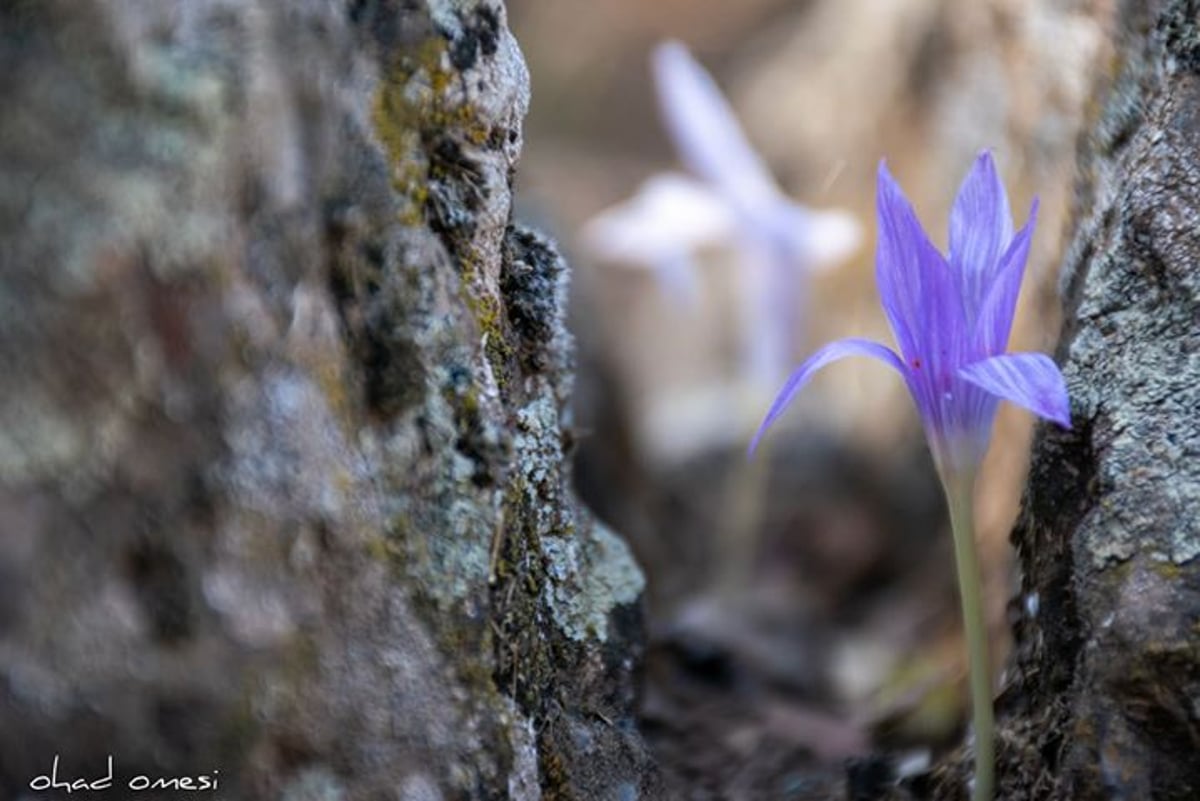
x: 289, y: 484
x: 590, y: 574
x: 1109, y: 542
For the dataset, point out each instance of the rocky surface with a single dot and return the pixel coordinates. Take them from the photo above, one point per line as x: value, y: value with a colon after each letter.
x: 282, y: 430
x: 1108, y: 683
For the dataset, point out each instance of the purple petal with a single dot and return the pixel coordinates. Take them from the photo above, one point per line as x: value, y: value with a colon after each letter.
x: 703, y: 127
x: 980, y: 230
x: 995, y: 318
x: 916, y: 287
x: 826, y: 354
x: 1030, y: 380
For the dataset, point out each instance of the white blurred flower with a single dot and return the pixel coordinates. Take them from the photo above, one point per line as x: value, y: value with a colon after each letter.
x: 670, y: 219
x: 729, y: 201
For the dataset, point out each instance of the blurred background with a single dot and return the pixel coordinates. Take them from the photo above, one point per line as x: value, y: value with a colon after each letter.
x: 801, y: 605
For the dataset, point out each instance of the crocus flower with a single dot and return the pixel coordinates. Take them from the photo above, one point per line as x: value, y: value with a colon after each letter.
x: 952, y: 317
x: 729, y: 199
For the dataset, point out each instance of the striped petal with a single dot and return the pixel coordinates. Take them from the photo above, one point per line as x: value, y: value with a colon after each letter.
x: 916, y: 286
x: 1030, y: 380
x: 994, y: 321
x: 980, y: 230
x: 825, y: 355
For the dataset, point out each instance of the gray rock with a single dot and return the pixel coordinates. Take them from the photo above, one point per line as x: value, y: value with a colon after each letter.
x: 1103, y: 702
x: 283, y: 490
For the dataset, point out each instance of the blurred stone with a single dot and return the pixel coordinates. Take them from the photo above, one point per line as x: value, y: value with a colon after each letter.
x: 283, y: 429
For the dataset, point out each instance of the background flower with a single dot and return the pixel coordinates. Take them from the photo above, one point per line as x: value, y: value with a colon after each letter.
x: 729, y: 200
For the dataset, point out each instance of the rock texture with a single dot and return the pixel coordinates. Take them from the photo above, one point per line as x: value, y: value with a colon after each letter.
x: 1106, y: 698
x: 282, y: 432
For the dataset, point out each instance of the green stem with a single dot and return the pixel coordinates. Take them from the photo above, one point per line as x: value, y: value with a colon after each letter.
x: 958, y: 487
x: 743, y: 514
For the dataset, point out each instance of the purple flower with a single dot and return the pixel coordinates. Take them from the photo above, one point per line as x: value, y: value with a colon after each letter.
x: 951, y: 318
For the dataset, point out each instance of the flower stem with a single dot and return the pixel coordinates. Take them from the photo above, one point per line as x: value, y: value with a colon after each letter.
x: 958, y: 486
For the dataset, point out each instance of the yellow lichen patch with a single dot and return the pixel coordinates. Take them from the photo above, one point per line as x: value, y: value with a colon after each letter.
x: 402, y: 141
x: 385, y: 549
x: 415, y: 99
x: 489, y: 314
x: 1168, y: 571
x: 334, y: 384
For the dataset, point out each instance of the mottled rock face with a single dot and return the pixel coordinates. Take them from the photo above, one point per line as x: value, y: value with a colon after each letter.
x: 1109, y: 668
x: 282, y: 433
